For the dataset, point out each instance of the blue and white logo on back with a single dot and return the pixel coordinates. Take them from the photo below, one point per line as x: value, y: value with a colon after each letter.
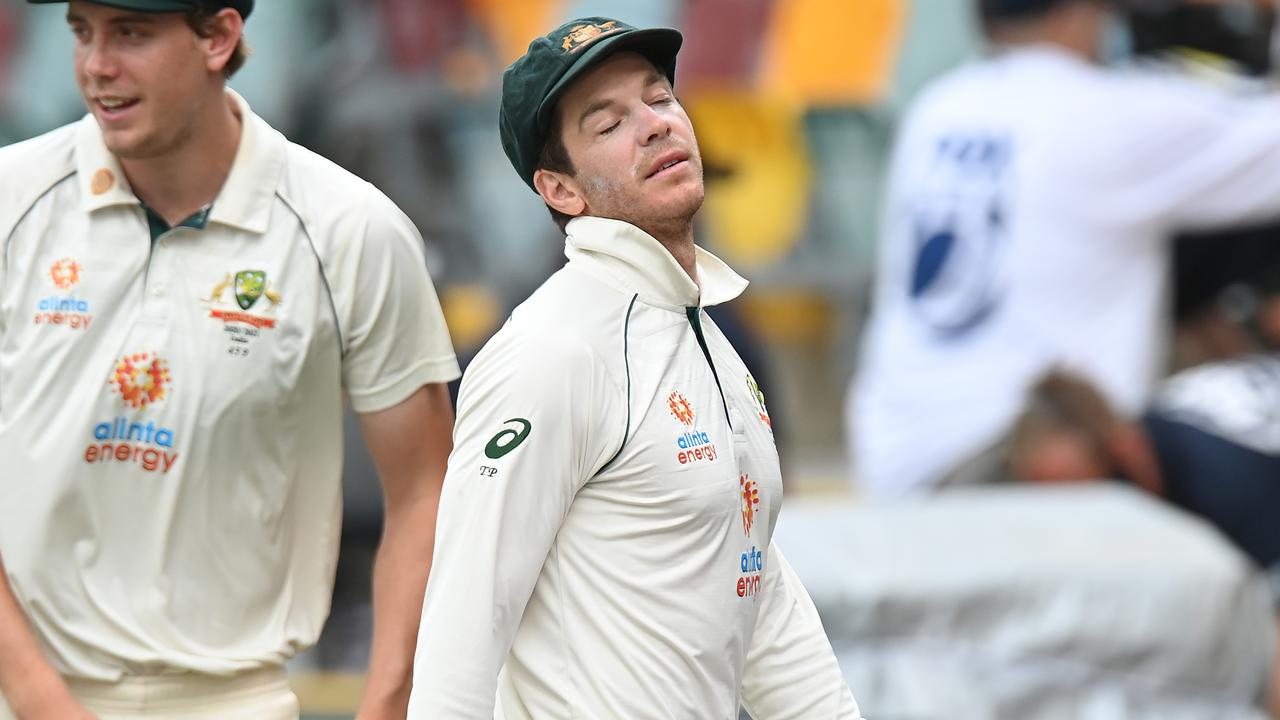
x: 959, y: 236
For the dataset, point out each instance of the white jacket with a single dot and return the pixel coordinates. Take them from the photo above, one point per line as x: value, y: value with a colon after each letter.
x: 604, y: 532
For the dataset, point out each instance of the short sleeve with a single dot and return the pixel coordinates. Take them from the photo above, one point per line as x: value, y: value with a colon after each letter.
x: 396, y: 340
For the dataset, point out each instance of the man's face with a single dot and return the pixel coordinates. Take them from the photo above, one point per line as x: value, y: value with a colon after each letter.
x: 143, y: 76
x: 631, y: 143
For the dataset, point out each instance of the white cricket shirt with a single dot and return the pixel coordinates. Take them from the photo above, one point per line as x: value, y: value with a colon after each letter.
x: 1030, y: 202
x: 170, y: 412
x: 604, y: 535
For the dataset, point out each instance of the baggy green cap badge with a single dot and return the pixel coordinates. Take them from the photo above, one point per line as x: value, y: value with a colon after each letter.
x: 533, y: 84
x: 244, y: 7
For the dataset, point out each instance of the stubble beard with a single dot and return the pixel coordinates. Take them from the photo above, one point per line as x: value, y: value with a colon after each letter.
x: 610, y: 198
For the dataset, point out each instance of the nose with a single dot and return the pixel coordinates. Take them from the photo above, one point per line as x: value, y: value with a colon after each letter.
x: 97, y: 61
x: 653, y: 126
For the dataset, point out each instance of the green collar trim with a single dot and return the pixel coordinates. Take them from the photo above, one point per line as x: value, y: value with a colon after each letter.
x: 197, y: 221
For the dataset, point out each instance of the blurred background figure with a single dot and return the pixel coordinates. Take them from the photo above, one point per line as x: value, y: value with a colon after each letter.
x: 1043, y: 215
x: 1032, y: 201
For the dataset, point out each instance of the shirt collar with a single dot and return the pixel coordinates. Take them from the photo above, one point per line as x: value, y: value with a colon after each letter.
x: 249, y: 193
x: 102, y: 181
x: 246, y: 198
x: 634, y: 261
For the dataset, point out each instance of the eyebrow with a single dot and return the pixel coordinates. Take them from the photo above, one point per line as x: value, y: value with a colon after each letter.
x: 653, y: 78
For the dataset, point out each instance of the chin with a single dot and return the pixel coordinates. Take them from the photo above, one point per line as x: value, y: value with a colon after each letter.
x: 124, y: 145
x: 687, y: 203
x: 132, y: 146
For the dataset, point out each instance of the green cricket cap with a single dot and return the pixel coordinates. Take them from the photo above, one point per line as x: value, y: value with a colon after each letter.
x: 244, y: 7
x: 532, y: 85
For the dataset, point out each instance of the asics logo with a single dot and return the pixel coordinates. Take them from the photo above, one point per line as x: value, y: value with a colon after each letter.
x: 508, y: 439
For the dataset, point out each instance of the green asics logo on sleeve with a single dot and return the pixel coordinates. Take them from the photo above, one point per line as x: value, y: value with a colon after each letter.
x: 508, y: 439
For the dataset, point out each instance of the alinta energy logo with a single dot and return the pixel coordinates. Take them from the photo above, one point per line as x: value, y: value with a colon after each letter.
x: 695, y: 445
x: 751, y: 562
x: 65, y: 273
x: 140, y: 380
x: 64, y: 308
x: 680, y: 408
x: 750, y: 493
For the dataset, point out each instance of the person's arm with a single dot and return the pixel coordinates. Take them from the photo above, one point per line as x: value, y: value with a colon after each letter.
x: 537, y: 417
x: 397, y: 358
x: 791, y: 672
x: 1189, y: 157
x: 410, y: 446
x: 28, y: 682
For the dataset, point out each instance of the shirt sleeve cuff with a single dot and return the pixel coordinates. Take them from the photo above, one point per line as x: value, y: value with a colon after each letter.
x: 397, y: 390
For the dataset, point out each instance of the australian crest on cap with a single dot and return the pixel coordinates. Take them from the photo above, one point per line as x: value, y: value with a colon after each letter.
x: 582, y: 35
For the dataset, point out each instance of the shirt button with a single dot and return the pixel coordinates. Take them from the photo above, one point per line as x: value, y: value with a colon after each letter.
x: 157, y: 290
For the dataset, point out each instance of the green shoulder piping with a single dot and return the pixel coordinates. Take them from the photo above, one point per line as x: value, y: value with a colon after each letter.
x: 626, y: 361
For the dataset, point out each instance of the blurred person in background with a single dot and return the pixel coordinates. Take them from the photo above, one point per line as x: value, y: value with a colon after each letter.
x: 1230, y: 45
x: 185, y: 300
x: 605, y: 540
x: 1215, y: 429
x: 1210, y: 443
x: 1032, y: 199
x: 1227, y: 304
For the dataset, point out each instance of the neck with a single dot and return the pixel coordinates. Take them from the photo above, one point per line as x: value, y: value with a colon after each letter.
x: 1074, y: 26
x: 189, y: 177
x: 677, y: 237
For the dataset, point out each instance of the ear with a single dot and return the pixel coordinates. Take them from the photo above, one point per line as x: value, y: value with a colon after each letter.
x: 562, y: 192
x: 225, y: 30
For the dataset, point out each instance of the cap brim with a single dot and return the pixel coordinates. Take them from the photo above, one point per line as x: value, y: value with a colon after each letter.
x: 138, y: 5
x: 659, y: 45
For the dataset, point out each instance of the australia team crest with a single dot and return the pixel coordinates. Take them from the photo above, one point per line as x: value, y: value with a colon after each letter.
x: 246, y: 302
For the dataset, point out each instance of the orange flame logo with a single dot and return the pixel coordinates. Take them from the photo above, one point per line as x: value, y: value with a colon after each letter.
x: 65, y: 273
x: 680, y: 408
x: 141, y: 379
x: 750, y: 502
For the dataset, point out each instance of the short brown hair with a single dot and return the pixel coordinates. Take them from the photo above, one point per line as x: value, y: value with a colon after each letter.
x: 555, y: 157
x: 199, y: 19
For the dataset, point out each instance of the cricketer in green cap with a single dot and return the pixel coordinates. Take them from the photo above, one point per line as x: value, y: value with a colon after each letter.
x: 589, y: 120
x: 531, y: 86
x: 155, y: 78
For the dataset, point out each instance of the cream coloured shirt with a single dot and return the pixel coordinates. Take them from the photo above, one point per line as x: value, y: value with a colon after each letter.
x: 604, y: 540
x: 170, y: 412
